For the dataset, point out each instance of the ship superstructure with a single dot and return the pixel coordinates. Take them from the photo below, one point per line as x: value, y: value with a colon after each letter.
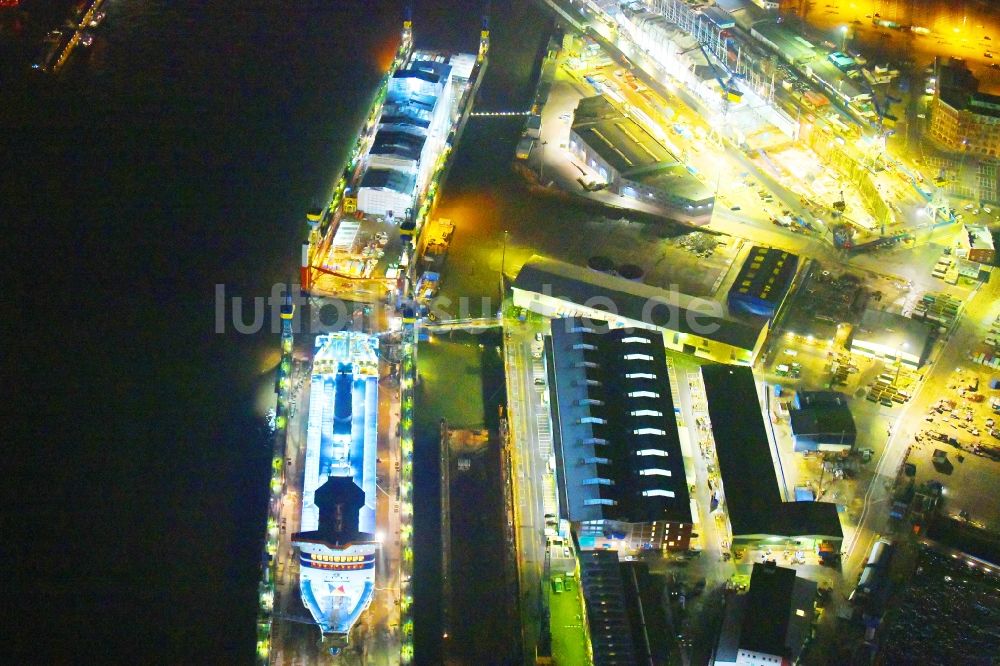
x: 416, y: 118
x: 337, y: 543
x: 399, y: 164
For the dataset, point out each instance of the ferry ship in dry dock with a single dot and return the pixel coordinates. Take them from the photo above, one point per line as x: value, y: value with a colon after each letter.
x: 337, y: 543
x: 361, y: 243
x: 364, y: 239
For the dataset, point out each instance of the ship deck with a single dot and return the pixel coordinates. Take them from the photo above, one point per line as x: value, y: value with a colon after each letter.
x: 360, y: 256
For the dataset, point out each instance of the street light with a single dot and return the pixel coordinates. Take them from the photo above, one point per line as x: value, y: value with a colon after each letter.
x: 899, y: 361
x: 961, y: 161
x: 843, y: 40
x: 503, y: 259
x: 541, y: 164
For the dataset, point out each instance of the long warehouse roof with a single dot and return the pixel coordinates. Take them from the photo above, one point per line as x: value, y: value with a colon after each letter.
x: 636, y: 301
x: 748, y: 478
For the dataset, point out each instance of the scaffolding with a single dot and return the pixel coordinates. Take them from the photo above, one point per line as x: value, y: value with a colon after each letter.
x: 739, y: 57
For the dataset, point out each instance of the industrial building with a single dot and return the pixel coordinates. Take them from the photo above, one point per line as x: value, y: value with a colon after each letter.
x: 625, y: 611
x: 962, y: 119
x: 632, y: 161
x: 336, y: 542
x: 891, y: 337
x: 674, y: 49
x: 822, y: 421
x: 689, y: 325
x: 696, y: 45
x: 976, y: 242
x: 619, y: 468
x: 753, y: 501
x: 763, y: 282
x: 769, y: 625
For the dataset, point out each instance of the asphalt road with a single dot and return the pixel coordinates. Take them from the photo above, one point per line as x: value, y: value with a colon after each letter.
x: 525, y: 410
x: 910, y: 421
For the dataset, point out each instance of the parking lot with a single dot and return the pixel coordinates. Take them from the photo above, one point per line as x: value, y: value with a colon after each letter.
x: 969, y: 482
x: 967, y: 413
x: 875, y: 390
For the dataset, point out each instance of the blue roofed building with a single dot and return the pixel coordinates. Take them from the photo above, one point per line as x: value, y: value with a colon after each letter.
x: 763, y: 281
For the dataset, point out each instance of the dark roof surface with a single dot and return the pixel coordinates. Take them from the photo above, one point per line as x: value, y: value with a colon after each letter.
x: 392, y: 179
x: 624, y: 611
x: 431, y: 77
x: 959, y: 88
x: 619, y: 140
x: 406, y: 112
x: 403, y: 144
x: 765, y: 274
x: 610, y: 632
x: 745, y: 464
x: 805, y: 399
x: 720, y: 17
x: 828, y: 422
x: 636, y: 301
x: 442, y: 69
x: 962, y: 536
x: 616, y: 399
x: 339, y: 500
x: 765, y: 624
x: 892, y: 330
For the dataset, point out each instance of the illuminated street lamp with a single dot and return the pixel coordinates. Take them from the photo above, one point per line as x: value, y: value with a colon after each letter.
x: 843, y: 39
x: 503, y: 258
x: 541, y: 165
x: 899, y: 361
x: 961, y: 161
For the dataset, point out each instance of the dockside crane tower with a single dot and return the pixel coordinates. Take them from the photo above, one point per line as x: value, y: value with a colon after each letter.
x: 408, y: 22
x: 484, y: 33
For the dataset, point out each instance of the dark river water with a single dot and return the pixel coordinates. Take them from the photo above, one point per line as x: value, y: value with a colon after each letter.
x: 179, y: 154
